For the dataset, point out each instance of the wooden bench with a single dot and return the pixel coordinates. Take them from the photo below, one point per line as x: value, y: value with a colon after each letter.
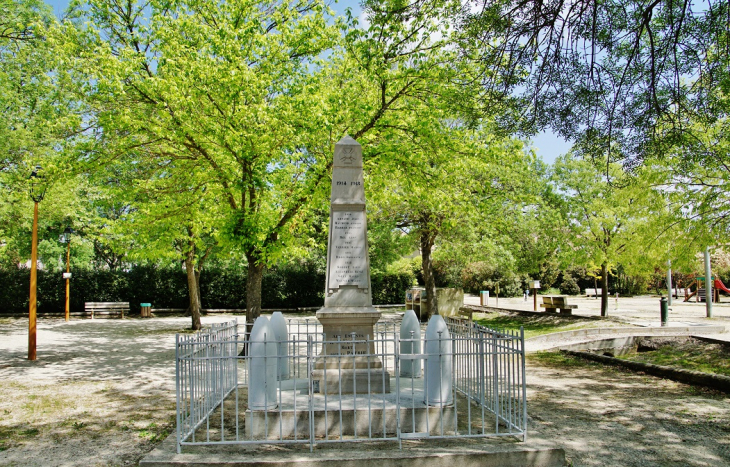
x: 553, y: 304
x: 467, y: 313
x: 106, y: 308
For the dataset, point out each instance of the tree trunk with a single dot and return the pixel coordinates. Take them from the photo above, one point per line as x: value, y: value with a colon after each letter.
x: 198, y: 272
x: 193, y: 287
x: 604, y: 289
x: 253, y: 291
x: 197, y: 284
x: 427, y: 240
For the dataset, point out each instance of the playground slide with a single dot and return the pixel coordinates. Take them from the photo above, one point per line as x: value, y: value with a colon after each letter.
x: 720, y: 286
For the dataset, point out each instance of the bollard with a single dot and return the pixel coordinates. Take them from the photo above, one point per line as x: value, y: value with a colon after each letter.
x: 438, y: 372
x: 664, y: 310
x: 262, y: 366
x: 277, y: 323
x: 410, y: 334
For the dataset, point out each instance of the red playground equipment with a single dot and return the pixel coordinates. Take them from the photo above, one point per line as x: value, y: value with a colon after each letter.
x: 720, y: 286
x: 700, y: 291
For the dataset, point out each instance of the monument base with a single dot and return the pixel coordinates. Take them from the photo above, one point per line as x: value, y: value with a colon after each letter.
x: 348, y: 364
x: 349, y: 331
x: 274, y: 424
x: 351, y: 381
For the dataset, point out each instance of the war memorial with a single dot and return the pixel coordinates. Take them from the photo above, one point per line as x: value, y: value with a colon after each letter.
x: 351, y: 375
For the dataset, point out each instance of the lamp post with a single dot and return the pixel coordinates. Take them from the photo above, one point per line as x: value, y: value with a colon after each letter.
x: 66, y: 238
x: 37, y: 192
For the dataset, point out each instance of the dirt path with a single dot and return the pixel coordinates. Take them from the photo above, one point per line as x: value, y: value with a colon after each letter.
x: 605, y: 416
x: 102, y: 393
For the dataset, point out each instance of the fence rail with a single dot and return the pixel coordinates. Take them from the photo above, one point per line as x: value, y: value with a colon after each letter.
x: 472, y: 386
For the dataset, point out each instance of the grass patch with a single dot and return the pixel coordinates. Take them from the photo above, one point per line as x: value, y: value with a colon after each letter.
x: 30, y: 432
x: 689, y: 355
x: 39, y: 404
x: 535, y: 325
x: 154, y: 432
x: 11, y: 436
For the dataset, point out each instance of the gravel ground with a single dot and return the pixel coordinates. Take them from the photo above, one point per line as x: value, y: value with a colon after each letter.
x: 610, y: 417
x: 102, y: 393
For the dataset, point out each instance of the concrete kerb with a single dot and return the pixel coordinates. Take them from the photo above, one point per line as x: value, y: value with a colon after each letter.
x: 597, y: 333
x: 468, y: 452
x: 676, y: 374
x: 558, y: 340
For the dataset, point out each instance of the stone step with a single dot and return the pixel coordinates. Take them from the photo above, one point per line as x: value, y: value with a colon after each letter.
x: 465, y: 452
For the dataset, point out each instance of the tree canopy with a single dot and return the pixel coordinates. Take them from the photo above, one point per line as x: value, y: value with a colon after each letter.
x: 188, y: 129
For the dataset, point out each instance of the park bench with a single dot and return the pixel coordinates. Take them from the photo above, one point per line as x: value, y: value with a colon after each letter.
x: 553, y: 304
x: 467, y: 313
x: 106, y: 308
x: 593, y: 292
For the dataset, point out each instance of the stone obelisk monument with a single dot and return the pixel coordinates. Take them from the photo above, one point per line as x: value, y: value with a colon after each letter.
x: 348, y: 363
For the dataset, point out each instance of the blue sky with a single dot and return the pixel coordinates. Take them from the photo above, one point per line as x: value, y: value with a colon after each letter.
x: 547, y: 145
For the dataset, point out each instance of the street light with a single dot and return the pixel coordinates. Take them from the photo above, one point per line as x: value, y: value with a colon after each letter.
x: 66, y: 238
x: 37, y: 192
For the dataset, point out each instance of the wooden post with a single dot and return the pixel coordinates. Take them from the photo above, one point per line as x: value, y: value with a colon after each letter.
x: 697, y: 296
x: 33, y: 286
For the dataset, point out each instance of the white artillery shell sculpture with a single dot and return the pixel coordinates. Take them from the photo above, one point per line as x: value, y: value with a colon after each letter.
x: 262, y: 366
x: 278, y: 326
x: 410, y: 335
x: 438, y: 363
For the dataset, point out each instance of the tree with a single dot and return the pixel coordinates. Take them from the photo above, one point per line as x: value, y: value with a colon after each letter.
x: 168, y: 217
x: 695, y: 174
x: 438, y: 181
x: 605, y: 222
x: 222, y: 90
x: 613, y: 74
x: 33, y: 107
x: 38, y: 118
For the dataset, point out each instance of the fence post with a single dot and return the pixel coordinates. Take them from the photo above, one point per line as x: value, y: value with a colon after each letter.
x: 177, y: 390
x: 524, y: 385
x: 495, y: 379
x: 310, y: 385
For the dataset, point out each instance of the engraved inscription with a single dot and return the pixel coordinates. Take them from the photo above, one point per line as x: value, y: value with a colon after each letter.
x: 348, y: 155
x: 348, y: 344
x: 348, y: 250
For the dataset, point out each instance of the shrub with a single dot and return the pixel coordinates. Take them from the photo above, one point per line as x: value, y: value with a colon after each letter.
x: 286, y: 286
x: 483, y: 276
x: 390, y: 288
x: 569, y: 286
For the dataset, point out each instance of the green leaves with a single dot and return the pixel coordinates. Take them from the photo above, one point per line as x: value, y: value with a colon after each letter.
x: 610, y: 216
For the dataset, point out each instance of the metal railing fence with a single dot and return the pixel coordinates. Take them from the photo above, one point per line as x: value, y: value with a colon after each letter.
x: 356, y: 393
x: 206, y: 373
x: 490, y: 370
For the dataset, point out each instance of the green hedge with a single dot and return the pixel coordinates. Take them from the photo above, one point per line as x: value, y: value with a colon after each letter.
x: 166, y: 287
x: 390, y: 288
